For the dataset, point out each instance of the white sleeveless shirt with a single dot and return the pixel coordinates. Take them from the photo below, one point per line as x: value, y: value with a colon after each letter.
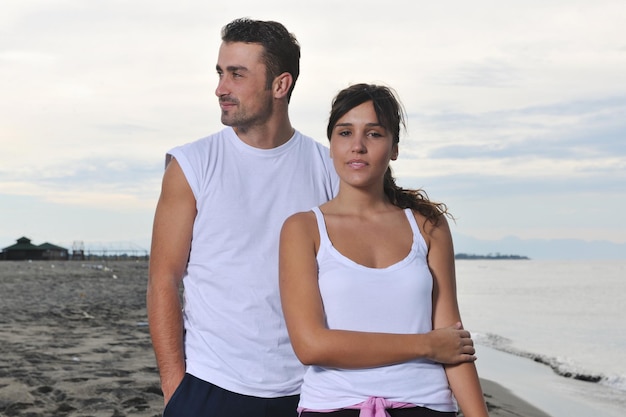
x: 395, y: 299
x: 235, y: 334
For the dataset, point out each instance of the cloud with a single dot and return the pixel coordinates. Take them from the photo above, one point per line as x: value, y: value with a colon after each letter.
x: 90, y: 183
x: 575, y: 138
x: 503, y: 186
x: 507, y: 104
x: 490, y: 74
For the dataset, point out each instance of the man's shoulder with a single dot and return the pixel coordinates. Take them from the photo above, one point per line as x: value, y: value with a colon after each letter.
x: 215, y: 137
x: 206, y: 141
x: 310, y: 141
x: 305, y: 137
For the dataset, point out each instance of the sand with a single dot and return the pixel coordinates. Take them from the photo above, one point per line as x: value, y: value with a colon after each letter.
x: 74, y: 341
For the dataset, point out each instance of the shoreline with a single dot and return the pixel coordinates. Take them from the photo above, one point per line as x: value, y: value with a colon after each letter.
x: 501, y: 402
x: 537, y: 384
x: 76, y: 342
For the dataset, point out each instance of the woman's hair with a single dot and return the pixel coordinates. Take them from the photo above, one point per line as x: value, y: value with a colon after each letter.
x: 281, y: 48
x: 391, y: 116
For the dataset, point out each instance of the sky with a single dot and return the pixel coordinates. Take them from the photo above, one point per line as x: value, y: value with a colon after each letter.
x: 516, y: 110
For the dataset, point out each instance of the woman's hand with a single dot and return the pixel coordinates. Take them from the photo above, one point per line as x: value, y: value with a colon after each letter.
x: 451, y: 345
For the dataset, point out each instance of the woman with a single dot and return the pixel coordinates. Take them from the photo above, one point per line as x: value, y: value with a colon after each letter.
x: 366, y: 277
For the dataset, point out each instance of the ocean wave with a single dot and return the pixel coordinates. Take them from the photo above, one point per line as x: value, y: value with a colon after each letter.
x: 560, y: 366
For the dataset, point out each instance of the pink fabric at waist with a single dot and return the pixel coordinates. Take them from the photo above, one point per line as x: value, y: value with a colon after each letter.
x: 372, y: 407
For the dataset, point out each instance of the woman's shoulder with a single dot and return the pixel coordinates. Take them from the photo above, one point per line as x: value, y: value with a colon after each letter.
x: 429, y: 227
x: 300, y: 221
x: 301, y: 229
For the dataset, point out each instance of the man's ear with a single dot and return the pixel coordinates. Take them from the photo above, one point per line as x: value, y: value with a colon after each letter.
x: 282, y: 84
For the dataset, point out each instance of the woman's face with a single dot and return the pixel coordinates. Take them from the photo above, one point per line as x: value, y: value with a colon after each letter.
x: 361, y: 147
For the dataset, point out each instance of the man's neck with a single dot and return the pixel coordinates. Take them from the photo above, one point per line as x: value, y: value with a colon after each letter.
x: 267, y: 136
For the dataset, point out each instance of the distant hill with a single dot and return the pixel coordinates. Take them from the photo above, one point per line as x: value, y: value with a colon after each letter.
x: 542, y: 248
x: 496, y: 256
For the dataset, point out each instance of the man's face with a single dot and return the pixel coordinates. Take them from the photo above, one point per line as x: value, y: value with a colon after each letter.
x: 244, y: 99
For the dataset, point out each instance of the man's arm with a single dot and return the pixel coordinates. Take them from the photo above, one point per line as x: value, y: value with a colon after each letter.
x: 171, y: 243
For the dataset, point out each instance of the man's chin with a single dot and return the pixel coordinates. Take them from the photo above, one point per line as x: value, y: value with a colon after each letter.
x: 226, y: 121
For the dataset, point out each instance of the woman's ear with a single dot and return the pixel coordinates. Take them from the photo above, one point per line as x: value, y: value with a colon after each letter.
x: 394, y: 152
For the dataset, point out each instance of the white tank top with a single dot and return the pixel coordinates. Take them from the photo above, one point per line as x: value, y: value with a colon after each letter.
x: 395, y: 299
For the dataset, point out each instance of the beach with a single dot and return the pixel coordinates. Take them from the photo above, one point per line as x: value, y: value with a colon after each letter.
x: 74, y: 341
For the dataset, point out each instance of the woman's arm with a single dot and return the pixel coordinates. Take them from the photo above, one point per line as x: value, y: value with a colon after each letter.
x: 315, y: 344
x: 462, y: 377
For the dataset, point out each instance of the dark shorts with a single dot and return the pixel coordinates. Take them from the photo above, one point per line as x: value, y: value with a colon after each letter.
x: 393, y: 412
x: 197, y: 398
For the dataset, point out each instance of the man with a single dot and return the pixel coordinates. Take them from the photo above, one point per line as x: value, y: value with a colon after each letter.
x: 216, y: 230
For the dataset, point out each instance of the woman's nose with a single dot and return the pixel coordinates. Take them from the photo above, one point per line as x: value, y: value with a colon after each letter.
x: 358, y: 144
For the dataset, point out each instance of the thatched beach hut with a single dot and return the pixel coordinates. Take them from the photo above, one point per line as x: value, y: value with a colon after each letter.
x: 25, y: 250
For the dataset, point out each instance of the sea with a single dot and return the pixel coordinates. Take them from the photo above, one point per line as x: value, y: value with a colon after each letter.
x: 564, y: 322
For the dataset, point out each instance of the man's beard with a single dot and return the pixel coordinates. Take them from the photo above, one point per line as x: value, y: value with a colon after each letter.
x: 243, y: 120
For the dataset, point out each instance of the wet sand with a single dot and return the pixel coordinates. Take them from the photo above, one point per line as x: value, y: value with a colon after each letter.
x: 74, y: 341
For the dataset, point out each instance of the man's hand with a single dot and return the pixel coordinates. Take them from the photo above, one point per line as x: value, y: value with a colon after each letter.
x: 169, y: 385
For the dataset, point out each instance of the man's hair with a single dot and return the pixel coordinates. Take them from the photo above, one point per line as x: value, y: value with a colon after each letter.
x: 281, y: 51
